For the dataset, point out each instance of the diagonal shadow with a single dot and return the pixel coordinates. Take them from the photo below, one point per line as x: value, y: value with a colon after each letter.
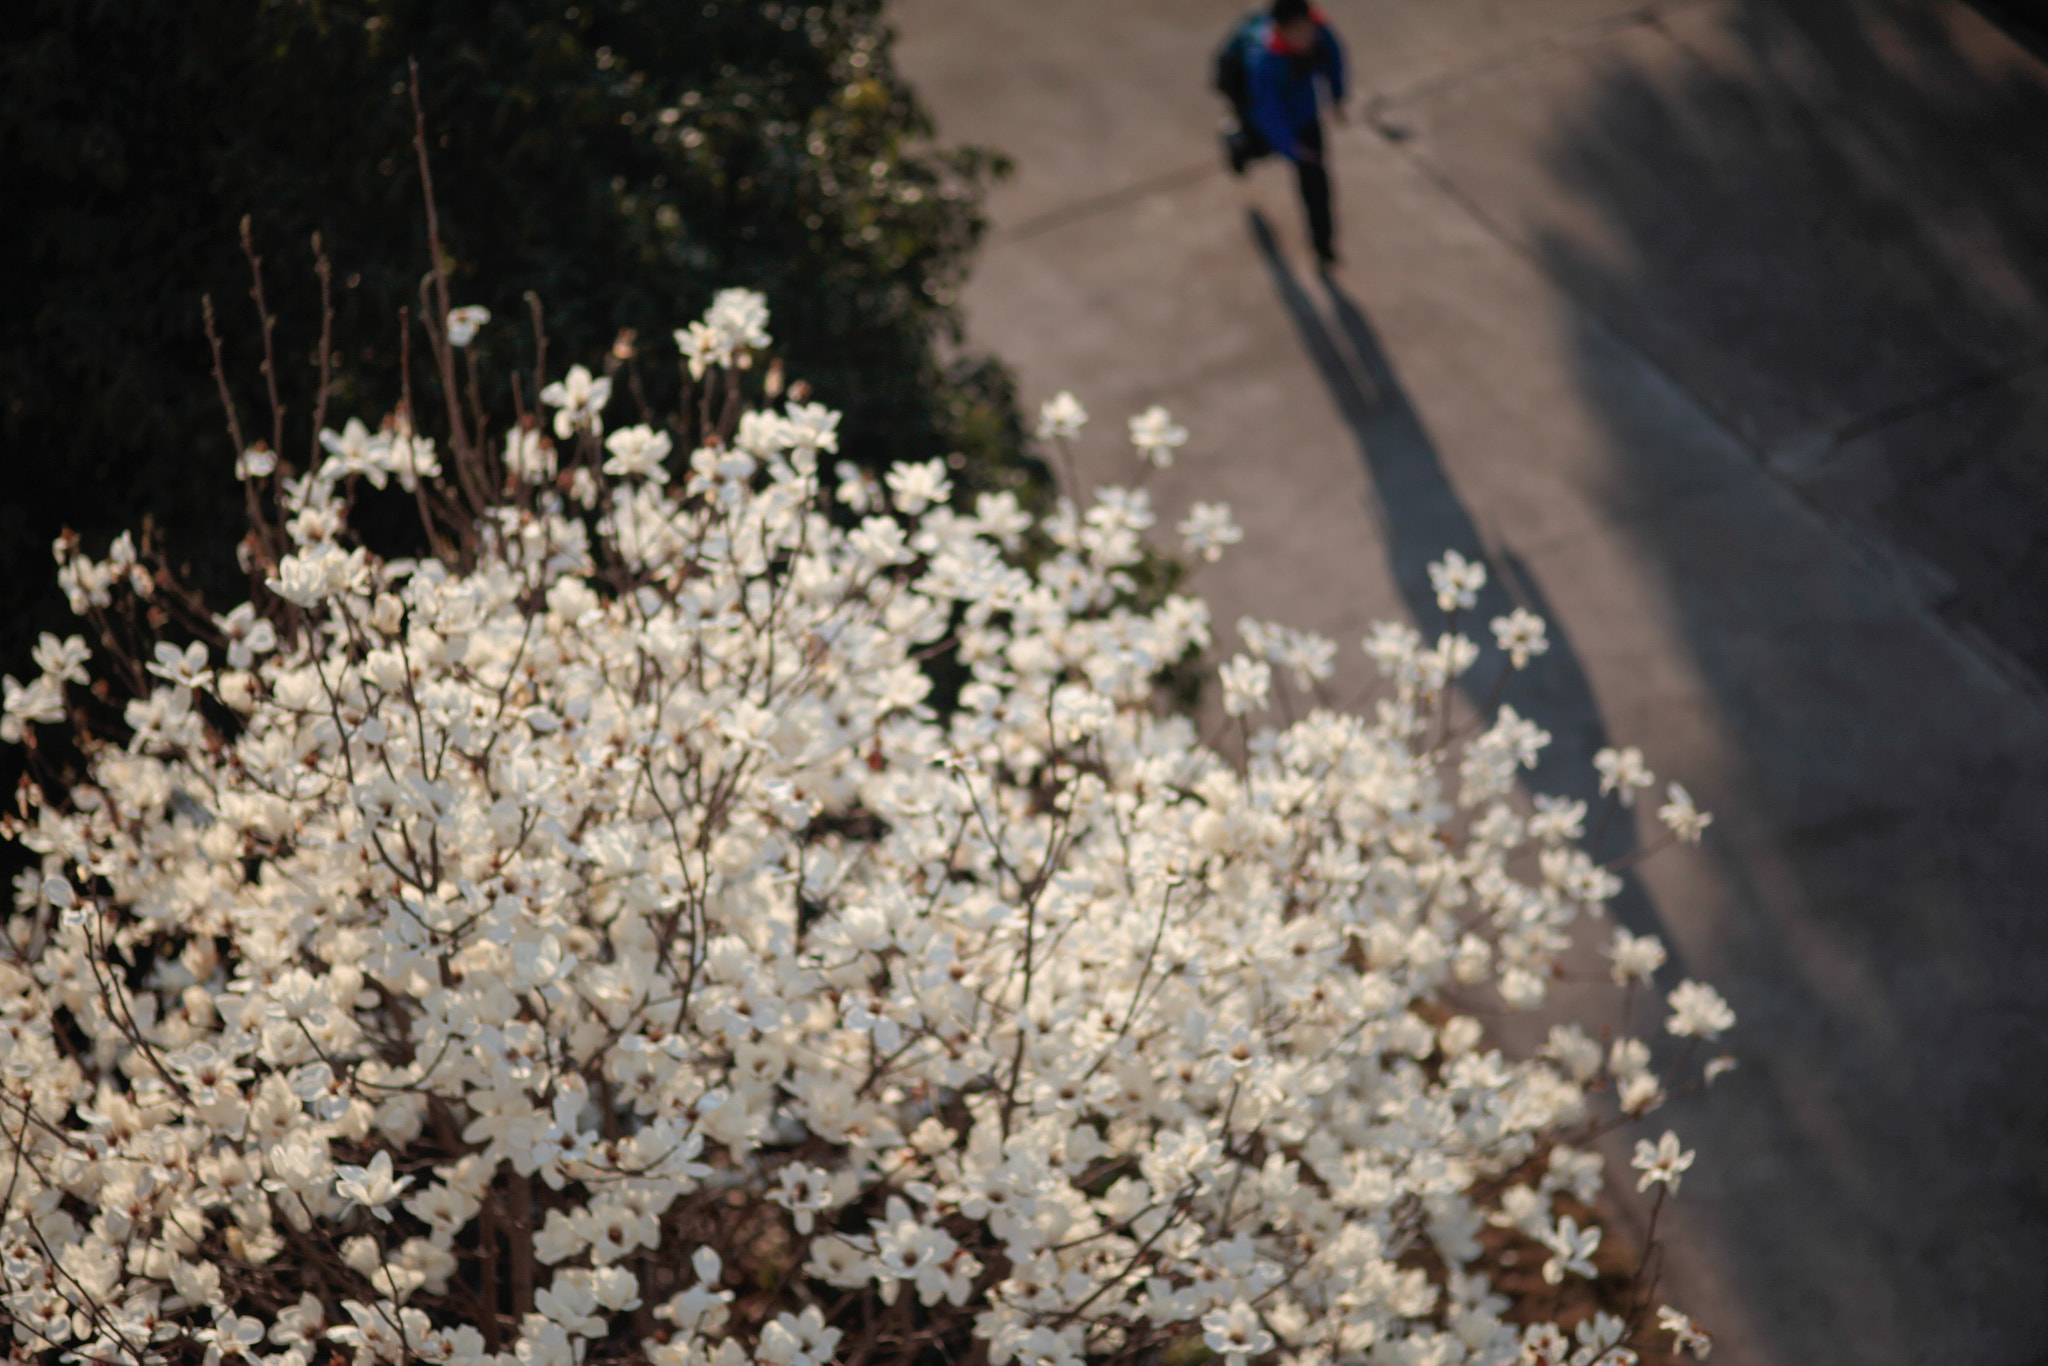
x: 1420, y: 516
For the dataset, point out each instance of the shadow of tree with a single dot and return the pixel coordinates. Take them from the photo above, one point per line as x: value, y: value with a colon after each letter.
x: 1832, y: 215
x: 1826, y: 221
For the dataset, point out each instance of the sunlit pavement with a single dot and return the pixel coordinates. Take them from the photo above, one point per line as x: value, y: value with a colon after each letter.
x: 1717, y: 327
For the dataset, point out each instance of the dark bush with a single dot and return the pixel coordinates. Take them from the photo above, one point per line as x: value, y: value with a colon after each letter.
x: 619, y: 159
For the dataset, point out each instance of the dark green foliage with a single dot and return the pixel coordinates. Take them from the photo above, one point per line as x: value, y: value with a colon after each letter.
x: 621, y: 159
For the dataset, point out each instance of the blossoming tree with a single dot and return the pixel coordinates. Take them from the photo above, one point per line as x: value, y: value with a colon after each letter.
x: 588, y: 942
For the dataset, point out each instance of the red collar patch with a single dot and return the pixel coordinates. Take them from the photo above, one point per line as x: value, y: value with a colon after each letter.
x: 1275, y: 43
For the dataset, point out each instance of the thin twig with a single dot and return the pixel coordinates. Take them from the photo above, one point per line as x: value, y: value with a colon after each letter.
x: 269, y: 326
x: 540, y: 345
x: 468, y: 469
x: 257, y: 527
x: 325, y: 272
x: 444, y: 361
x: 419, y: 486
x: 220, y: 376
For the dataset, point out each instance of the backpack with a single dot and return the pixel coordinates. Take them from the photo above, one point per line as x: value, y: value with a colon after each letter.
x: 1232, y: 76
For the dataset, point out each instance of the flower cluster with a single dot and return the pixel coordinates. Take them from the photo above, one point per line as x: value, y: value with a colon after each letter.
x: 600, y: 942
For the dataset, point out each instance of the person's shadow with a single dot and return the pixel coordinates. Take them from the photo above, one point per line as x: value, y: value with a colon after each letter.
x: 1420, y: 517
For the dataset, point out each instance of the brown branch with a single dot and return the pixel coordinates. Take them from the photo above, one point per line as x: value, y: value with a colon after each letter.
x: 419, y: 486
x: 265, y: 549
x: 469, y: 468
x: 540, y: 346
x: 491, y: 472
x: 444, y: 360
x: 220, y: 376
x: 487, y: 1275
x: 521, y: 1233
x: 322, y: 269
x: 269, y: 321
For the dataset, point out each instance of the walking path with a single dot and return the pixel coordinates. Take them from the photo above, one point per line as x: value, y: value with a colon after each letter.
x: 1717, y: 327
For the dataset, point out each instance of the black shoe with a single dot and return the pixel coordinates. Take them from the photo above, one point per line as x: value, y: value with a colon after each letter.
x: 1235, y: 153
x: 1327, y: 260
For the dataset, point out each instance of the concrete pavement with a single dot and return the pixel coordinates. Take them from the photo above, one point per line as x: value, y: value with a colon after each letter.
x: 1717, y: 327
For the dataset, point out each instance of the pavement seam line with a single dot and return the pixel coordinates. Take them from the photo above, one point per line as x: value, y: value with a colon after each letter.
x: 1971, y: 643
x: 1542, y: 48
x: 1991, y: 377
x: 1051, y: 219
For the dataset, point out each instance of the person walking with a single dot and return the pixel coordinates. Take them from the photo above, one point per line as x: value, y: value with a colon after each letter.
x: 1276, y: 70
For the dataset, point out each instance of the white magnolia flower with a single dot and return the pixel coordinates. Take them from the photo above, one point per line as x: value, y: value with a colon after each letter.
x: 1697, y: 1011
x: 1457, y: 581
x: 355, y: 452
x: 702, y: 347
x: 302, y: 1325
x: 1557, y: 819
x: 1681, y: 817
x: 803, y: 1190
x: 248, y: 635
x: 1246, y: 683
x: 372, y: 1187
x: 732, y: 329
x: 1687, y: 1337
x: 1622, y: 772
x: 579, y: 401
x: 1521, y: 634
x: 40, y: 702
x: 464, y: 323
x: 304, y: 580
x: 1544, y: 1344
x: 232, y: 1334
x: 63, y: 660
x: 799, y: 1340
x: 1571, y: 1250
x: 257, y: 462
x: 740, y: 315
x: 913, y: 488
x: 1662, y: 1161
x: 812, y: 429
x: 1235, y: 1333
x: 1598, y: 1335
x: 637, y: 453
x: 1636, y: 957
x: 184, y: 668
x: 1208, y: 530
x: 1154, y: 434
x: 1061, y: 417
x: 529, y: 456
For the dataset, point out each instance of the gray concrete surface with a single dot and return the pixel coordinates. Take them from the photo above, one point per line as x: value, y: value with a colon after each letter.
x: 1717, y: 328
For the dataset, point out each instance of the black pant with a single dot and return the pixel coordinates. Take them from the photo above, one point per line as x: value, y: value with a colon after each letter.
x: 1314, y: 177
x: 1315, y: 192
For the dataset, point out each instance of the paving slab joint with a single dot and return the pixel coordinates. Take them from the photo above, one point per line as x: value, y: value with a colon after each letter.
x: 1551, y: 43
x: 2024, y: 680
x: 1803, y: 455
x: 1930, y: 589
x: 1990, y: 377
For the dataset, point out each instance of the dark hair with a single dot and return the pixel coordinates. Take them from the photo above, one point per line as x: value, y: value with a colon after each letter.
x: 1287, y: 11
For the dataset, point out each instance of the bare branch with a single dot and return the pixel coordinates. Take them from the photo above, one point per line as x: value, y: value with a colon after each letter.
x: 322, y: 269
x: 269, y: 321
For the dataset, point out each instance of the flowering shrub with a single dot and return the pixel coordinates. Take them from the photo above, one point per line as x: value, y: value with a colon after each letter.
x: 591, y: 943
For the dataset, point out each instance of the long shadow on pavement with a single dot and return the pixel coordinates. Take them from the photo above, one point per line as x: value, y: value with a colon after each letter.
x: 1421, y: 516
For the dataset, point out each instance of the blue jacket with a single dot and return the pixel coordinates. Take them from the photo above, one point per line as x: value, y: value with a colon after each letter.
x: 1282, y: 88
